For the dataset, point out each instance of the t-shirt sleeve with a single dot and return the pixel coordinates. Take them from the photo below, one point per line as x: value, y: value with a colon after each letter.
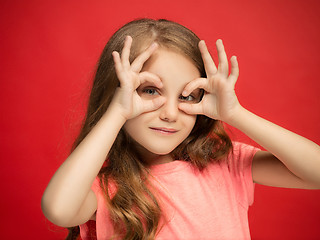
x: 240, y: 166
x: 88, y: 229
x: 103, y: 228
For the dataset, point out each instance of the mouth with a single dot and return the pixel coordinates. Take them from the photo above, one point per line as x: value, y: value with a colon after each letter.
x: 165, y: 131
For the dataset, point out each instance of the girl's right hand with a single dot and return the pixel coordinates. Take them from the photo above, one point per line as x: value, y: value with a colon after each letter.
x: 130, y: 77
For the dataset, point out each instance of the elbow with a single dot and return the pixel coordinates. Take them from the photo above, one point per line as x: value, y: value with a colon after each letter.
x: 54, y: 213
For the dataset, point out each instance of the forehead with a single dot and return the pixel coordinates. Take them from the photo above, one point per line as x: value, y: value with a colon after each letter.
x: 174, y: 69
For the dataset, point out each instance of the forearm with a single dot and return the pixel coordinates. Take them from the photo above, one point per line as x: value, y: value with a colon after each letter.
x: 300, y: 155
x: 72, y: 182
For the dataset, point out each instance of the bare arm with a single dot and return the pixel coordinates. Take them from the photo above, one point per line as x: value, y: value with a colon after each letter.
x: 70, y: 187
x: 291, y: 160
x: 68, y: 199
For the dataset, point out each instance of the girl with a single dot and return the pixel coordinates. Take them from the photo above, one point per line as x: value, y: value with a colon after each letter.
x: 152, y: 160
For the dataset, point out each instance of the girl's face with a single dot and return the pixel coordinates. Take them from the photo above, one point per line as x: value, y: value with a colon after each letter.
x: 159, y: 132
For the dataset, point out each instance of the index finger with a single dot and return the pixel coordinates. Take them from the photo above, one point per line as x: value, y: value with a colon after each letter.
x: 208, y: 62
x: 137, y: 64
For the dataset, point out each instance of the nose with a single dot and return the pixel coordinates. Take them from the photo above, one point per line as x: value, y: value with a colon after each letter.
x: 169, y: 111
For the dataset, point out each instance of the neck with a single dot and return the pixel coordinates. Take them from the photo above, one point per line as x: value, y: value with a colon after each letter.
x: 158, y: 159
x: 151, y: 159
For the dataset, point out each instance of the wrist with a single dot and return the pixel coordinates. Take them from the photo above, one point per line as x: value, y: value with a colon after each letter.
x: 236, y: 117
x: 113, y: 112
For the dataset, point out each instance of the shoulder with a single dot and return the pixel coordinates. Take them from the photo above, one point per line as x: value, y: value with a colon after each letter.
x: 241, y: 155
x: 240, y: 148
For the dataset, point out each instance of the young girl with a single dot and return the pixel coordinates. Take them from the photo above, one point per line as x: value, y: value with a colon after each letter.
x: 152, y: 160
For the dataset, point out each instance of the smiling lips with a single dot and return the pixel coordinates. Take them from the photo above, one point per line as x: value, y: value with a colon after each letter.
x: 165, y: 131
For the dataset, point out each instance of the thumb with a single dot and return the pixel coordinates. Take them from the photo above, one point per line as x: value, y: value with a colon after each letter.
x: 191, y: 109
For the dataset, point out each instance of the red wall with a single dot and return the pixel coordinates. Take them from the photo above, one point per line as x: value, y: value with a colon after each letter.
x: 48, y: 53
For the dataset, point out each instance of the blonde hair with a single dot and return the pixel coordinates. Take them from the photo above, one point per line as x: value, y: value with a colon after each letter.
x: 134, y: 209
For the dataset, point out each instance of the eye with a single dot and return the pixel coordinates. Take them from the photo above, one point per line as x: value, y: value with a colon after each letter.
x: 187, y: 98
x: 150, y: 91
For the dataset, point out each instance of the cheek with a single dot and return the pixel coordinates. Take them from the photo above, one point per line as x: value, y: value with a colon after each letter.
x: 190, y: 121
x: 132, y: 126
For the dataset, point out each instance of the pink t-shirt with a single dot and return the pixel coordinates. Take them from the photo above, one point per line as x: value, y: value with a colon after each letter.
x: 212, y: 204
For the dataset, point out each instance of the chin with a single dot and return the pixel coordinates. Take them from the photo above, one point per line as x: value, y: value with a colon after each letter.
x: 160, y: 151
x: 146, y: 148
x: 155, y: 150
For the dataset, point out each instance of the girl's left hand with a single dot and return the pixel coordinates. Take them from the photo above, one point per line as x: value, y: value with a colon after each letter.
x: 219, y: 100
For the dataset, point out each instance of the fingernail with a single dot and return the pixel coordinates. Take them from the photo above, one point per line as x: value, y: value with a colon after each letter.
x: 202, y: 42
x: 128, y: 38
x: 154, y: 45
x: 114, y: 53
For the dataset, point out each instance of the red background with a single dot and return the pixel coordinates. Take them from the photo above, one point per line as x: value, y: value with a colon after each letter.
x: 48, y: 53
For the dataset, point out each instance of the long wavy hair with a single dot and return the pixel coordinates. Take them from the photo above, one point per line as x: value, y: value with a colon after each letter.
x: 134, y: 208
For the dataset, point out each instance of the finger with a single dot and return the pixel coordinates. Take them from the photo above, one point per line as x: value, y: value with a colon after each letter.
x: 223, y: 60
x: 150, y: 77
x: 137, y: 64
x: 234, y: 73
x: 126, y: 52
x: 208, y: 62
x: 191, y: 109
x: 195, y: 84
x: 154, y: 104
x: 117, y: 62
